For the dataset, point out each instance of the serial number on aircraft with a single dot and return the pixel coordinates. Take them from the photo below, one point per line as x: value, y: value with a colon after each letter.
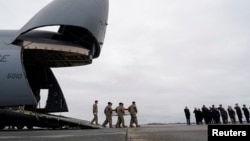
x: 14, y: 76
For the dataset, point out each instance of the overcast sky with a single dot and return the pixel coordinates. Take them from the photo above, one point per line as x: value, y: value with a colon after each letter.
x: 163, y: 54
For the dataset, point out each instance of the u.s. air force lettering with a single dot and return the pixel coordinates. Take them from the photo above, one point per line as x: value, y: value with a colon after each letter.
x: 3, y: 58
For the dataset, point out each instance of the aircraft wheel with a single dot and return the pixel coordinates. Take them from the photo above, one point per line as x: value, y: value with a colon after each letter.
x: 19, y: 126
x: 2, y: 127
x: 30, y: 127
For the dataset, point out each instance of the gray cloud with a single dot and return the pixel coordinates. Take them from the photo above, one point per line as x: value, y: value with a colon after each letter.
x: 163, y: 54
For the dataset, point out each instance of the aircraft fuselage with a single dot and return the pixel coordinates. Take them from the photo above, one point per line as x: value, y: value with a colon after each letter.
x: 27, y: 55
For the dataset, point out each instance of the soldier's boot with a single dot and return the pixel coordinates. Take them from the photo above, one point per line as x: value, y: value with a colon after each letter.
x: 137, y: 125
x: 110, y: 126
x: 124, y: 126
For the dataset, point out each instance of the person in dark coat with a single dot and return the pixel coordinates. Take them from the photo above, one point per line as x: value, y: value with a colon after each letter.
x: 224, y: 115
x: 246, y: 112
x: 187, y: 114
x: 231, y: 114
x: 206, y: 114
x: 200, y: 116
x: 196, y: 115
x: 215, y: 115
x: 238, y: 112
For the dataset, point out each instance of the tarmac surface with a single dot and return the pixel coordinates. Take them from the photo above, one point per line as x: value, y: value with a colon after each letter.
x: 174, y: 132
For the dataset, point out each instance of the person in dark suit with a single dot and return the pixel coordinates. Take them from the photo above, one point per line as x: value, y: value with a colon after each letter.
x: 246, y: 112
x: 187, y: 114
x: 231, y: 114
x: 224, y: 114
x: 238, y: 112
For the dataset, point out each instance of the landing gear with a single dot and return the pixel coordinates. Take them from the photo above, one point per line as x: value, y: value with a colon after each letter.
x: 30, y: 127
x: 2, y: 127
x: 20, y: 126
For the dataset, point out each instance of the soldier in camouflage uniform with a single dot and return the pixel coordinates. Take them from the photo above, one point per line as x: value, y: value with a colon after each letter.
x: 133, y: 111
x: 95, y: 111
x: 120, y: 113
x: 108, y: 113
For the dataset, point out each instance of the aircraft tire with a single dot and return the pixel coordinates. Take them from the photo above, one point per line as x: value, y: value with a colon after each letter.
x: 30, y: 127
x: 2, y: 127
x: 20, y: 126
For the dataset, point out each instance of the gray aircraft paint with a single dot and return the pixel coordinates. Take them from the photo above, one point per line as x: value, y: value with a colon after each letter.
x: 90, y: 15
x: 14, y: 89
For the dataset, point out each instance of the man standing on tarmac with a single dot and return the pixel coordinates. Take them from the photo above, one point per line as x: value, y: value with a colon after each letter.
x: 95, y: 111
x: 133, y: 111
x: 238, y: 112
x: 224, y: 114
x: 187, y: 114
x: 246, y: 113
x: 120, y: 112
x: 108, y: 114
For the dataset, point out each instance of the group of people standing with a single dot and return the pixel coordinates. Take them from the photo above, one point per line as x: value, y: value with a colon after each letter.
x: 120, y: 110
x: 214, y: 115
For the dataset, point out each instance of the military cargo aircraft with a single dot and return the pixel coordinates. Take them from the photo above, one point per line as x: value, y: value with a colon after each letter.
x: 27, y: 56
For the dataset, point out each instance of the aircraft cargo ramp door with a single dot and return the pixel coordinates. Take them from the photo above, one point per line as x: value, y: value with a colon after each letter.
x: 23, y: 118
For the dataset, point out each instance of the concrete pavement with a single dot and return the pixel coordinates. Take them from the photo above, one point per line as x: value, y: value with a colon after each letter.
x: 174, y: 132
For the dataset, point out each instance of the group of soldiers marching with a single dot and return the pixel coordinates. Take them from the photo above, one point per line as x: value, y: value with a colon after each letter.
x: 214, y: 115
x: 120, y: 111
